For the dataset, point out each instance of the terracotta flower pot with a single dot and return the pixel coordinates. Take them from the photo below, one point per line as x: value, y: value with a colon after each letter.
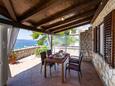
x: 12, y: 61
x: 12, y: 58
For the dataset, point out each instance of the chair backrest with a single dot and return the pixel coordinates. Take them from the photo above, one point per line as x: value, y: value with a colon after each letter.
x: 80, y: 58
x: 43, y: 56
x: 49, y: 52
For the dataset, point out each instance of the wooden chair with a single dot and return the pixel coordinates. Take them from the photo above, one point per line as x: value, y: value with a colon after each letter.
x: 50, y: 64
x: 75, y: 60
x: 49, y: 52
x: 49, y: 55
x: 76, y: 66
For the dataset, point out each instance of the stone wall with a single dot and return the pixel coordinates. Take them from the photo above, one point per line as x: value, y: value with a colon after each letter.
x: 86, y: 44
x: 24, y: 52
x: 106, y: 73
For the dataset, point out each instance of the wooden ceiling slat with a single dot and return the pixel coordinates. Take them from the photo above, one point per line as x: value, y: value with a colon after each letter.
x: 72, y: 24
x: 40, y: 6
x: 75, y: 18
x: 67, y: 11
x: 100, y: 8
x: 10, y: 9
x: 34, y: 18
x: 55, y: 7
x: 19, y: 25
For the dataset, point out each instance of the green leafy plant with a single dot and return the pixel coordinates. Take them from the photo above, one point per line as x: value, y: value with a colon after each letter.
x: 41, y: 38
x: 41, y: 49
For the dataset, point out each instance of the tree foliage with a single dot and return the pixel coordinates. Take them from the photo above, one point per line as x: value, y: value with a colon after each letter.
x: 62, y: 38
x: 40, y: 37
x: 41, y: 40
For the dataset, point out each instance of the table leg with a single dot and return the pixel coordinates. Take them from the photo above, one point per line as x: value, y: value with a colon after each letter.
x: 62, y: 72
x: 45, y: 70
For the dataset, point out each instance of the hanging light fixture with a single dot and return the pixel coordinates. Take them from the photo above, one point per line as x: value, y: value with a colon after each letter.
x: 62, y: 19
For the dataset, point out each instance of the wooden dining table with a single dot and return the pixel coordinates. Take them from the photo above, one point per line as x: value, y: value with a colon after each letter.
x: 58, y: 61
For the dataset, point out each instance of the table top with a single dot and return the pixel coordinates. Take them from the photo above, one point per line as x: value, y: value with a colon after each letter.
x: 58, y: 60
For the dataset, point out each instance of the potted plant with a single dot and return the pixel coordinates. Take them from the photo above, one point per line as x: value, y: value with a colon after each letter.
x: 12, y: 58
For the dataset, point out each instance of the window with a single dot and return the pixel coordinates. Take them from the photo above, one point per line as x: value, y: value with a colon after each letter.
x: 98, y: 39
x: 104, y: 39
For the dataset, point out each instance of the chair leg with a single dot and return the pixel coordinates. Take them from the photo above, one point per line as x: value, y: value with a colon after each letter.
x: 55, y: 67
x: 50, y: 71
x: 41, y: 68
x: 79, y: 75
x: 65, y: 72
x: 69, y: 72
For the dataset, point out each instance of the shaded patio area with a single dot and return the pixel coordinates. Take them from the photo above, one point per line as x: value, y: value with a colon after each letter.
x: 31, y: 76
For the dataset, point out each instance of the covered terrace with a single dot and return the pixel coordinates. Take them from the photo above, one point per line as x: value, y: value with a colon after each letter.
x: 54, y: 16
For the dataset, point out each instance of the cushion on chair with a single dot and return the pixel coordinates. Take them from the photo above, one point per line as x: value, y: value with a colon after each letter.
x: 73, y: 67
x: 74, y: 60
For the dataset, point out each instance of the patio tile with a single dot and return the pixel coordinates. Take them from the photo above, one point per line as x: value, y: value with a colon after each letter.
x: 33, y: 77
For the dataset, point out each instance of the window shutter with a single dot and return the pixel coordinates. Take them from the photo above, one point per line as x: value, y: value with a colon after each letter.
x: 109, y: 38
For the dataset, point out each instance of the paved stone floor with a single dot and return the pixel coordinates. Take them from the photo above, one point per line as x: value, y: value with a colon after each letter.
x: 27, y: 73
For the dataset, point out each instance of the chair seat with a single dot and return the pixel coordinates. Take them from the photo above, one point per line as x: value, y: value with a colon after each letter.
x: 73, y: 67
x: 74, y: 60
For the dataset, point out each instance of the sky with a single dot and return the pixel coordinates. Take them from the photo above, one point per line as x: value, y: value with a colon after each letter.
x: 24, y: 34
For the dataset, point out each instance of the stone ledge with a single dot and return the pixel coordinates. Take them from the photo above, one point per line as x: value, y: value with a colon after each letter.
x: 24, y: 52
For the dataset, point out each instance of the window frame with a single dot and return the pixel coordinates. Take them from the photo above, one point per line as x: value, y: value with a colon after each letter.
x: 101, y: 39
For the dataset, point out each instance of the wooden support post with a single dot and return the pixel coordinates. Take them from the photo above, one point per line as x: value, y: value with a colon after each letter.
x: 65, y: 42
x: 3, y: 55
x: 51, y: 43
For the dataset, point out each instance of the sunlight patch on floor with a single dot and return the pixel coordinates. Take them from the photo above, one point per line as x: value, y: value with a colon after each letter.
x: 24, y: 64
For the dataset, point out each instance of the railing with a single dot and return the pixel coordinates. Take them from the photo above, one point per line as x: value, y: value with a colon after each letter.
x: 24, y: 52
x: 73, y: 50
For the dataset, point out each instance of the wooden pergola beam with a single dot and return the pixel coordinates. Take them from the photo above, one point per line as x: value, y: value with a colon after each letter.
x: 75, y: 18
x: 71, y: 9
x: 72, y: 23
x: 40, y: 6
x: 73, y: 26
x: 10, y: 9
x: 19, y: 25
x: 4, y: 12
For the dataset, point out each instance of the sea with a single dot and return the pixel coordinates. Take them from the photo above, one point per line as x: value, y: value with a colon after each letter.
x: 22, y: 43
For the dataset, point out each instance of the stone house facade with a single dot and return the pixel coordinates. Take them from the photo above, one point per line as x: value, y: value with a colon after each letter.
x: 105, y: 71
